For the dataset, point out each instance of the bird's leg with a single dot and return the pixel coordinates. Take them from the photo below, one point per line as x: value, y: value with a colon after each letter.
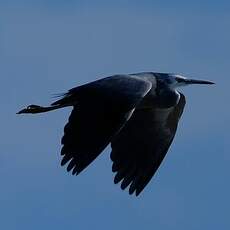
x: 38, y: 109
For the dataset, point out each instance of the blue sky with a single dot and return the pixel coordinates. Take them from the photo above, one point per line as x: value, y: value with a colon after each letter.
x: 47, y: 47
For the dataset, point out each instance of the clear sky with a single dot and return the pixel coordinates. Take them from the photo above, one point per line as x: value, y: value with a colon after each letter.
x: 49, y: 46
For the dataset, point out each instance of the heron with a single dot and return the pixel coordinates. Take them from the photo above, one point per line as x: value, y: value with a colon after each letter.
x: 137, y: 114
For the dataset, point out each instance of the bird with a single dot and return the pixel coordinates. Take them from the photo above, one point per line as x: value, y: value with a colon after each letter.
x: 137, y: 114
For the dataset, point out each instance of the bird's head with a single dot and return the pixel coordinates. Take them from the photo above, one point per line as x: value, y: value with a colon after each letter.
x: 175, y: 80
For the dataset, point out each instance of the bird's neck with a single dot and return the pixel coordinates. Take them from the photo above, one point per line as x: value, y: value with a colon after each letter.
x: 167, y: 97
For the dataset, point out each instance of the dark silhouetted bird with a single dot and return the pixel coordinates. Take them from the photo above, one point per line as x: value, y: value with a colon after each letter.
x: 137, y: 113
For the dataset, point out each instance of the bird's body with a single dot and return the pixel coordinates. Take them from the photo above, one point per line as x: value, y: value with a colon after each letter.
x: 137, y: 113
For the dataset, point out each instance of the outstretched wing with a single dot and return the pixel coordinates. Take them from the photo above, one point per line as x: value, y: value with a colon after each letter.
x: 101, y: 108
x: 139, y: 148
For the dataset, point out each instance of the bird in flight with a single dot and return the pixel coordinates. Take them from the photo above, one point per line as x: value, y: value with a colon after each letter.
x: 137, y: 114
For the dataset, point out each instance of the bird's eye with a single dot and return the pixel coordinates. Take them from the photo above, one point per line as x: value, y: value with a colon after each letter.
x: 179, y: 79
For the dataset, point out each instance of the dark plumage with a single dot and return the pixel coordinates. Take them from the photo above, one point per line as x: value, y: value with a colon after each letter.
x: 137, y: 113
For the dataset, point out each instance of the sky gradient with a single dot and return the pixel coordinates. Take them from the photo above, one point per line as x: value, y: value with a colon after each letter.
x: 47, y: 47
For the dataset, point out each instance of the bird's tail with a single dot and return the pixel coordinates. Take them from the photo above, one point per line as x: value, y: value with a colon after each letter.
x: 65, y: 99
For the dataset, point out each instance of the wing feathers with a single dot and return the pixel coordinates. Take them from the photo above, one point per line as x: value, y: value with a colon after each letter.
x: 100, y: 110
x: 143, y: 143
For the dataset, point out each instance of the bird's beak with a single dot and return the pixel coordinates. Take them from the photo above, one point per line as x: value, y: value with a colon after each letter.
x: 203, y: 82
